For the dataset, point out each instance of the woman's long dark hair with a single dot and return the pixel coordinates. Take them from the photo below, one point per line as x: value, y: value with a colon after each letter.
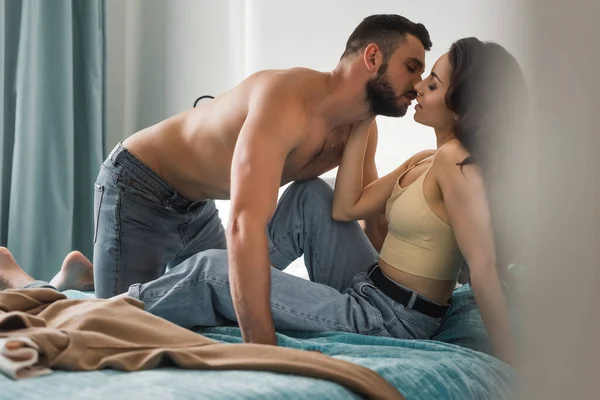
x: 487, y: 91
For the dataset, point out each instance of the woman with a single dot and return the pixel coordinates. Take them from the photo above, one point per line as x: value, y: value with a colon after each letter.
x: 436, y: 204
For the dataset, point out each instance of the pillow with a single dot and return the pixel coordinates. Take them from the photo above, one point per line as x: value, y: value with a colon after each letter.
x: 463, y: 325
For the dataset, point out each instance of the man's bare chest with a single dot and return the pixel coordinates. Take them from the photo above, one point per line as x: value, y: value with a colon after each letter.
x: 318, y: 155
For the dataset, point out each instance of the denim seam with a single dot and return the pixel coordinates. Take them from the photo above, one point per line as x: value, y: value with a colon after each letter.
x: 295, y: 229
x: 404, y: 316
x: 138, y: 172
x: 316, y: 319
x: 366, y: 295
x: 143, y: 201
x: 131, y: 182
x: 307, y: 239
x: 274, y: 249
x: 97, y: 212
x: 135, y: 173
x: 113, y: 175
x: 324, y: 321
x: 416, y: 325
x: 183, y: 284
x: 119, y: 238
x: 182, y: 235
x: 146, y: 183
x: 151, y: 172
x: 158, y: 203
x: 391, y: 324
x: 407, y: 318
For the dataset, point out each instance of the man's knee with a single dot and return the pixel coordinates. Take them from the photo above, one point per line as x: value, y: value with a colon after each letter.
x: 315, y: 188
x: 201, y: 265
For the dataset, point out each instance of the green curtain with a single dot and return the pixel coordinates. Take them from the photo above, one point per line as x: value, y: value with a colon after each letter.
x: 52, y: 127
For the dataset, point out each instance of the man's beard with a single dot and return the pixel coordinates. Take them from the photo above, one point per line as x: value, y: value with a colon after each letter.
x: 381, y: 97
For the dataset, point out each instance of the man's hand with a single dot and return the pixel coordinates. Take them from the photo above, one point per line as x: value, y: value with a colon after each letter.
x: 275, y: 125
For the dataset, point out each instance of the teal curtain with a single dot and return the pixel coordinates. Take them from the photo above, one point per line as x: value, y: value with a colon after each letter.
x: 52, y: 127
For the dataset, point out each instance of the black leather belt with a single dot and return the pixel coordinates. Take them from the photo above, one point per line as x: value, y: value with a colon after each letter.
x: 403, y: 295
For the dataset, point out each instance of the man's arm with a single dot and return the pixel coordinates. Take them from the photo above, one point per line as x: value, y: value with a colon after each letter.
x: 375, y: 228
x: 273, y: 128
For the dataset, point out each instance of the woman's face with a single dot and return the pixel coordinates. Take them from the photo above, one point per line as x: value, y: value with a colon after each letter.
x: 431, y: 109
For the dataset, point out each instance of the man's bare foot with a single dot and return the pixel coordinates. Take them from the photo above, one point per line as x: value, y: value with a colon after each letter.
x: 11, y: 275
x: 76, y: 273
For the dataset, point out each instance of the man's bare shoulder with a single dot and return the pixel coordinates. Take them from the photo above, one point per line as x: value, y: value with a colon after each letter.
x: 293, y: 81
x: 283, y: 94
x: 294, y: 85
x: 284, y: 74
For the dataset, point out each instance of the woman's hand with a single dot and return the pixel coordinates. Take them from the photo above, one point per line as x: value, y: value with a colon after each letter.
x: 349, y: 180
x: 352, y: 201
x: 362, y: 127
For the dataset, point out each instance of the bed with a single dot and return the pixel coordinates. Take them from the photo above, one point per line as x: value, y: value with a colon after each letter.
x: 456, y: 365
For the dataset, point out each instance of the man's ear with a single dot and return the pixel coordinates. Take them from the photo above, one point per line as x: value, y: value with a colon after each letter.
x: 373, y: 58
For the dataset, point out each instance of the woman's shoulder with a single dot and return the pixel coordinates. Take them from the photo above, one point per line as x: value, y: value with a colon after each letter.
x: 451, y: 152
x: 448, y: 160
x: 420, y: 156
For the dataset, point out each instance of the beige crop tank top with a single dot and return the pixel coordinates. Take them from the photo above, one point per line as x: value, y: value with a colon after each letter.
x: 418, y: 241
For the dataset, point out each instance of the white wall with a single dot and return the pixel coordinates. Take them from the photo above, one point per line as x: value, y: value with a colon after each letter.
x: 562, y: 358
x: 163, y: 54
x: 313, y: 33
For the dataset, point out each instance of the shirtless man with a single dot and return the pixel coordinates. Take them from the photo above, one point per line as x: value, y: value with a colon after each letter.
x: 154, y: 199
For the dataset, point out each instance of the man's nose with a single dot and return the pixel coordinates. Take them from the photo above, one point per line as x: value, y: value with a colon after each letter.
x: 417, y: 85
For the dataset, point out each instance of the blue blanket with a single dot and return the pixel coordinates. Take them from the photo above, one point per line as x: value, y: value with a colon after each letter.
x: 453, y: 366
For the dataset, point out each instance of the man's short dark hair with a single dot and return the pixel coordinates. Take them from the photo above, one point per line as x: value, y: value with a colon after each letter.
x: 388, y: 31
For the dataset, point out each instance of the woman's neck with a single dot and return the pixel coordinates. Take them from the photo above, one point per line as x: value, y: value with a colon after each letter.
x: 444, y: 136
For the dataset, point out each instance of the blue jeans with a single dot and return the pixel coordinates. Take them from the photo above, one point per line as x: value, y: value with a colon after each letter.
x: 142, y: 226
x: 340, y: 296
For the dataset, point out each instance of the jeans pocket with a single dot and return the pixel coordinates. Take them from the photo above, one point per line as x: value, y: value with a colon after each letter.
x: 140, y: 193
x: 98, y: 195
x: 419, y: 325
